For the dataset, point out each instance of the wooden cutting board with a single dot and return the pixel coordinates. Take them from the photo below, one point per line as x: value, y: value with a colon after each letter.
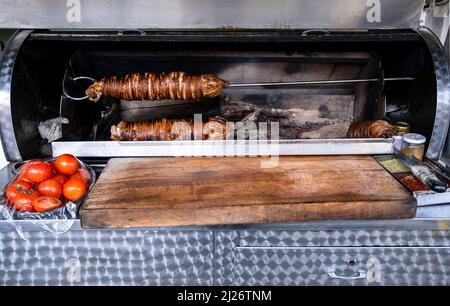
x: 138, y: 192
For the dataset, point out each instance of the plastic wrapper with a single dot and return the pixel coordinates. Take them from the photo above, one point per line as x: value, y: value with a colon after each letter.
x: 52, y: 129
x: 58, y: 220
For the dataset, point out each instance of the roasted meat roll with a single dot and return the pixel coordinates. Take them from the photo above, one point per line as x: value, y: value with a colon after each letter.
x: 174, y: 85
x: 370, y: 129
x: 169, y: 129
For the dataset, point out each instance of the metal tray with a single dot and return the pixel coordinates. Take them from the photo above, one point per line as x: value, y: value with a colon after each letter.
x: 224, y: 147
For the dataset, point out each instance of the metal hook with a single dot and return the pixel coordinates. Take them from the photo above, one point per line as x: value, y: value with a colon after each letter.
x: 76, y: 79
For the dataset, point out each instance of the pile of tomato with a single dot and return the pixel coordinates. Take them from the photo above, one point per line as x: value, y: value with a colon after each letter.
x: 43, y: 186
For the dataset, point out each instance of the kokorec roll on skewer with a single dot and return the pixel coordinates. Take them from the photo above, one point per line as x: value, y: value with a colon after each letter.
x: 169, y: 129
x: 370, y: 129
x: 177, y: 85
x: 174, y: 85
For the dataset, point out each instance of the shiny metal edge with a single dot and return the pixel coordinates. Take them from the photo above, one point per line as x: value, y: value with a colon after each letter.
x: 210, y: 14
x: 224, y: 148
x: 241, y: 248
x: 431, y: 198
x: 404, y: 224
x: 7, y: 62
x: 442, y: 118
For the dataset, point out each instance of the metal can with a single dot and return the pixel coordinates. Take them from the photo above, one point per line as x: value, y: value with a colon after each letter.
x: 400, y: 128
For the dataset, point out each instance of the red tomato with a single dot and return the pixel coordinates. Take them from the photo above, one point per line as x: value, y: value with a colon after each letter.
x: 66, y: 164
x: 61, y: 178
x: 24, y: 201
x: 24, y: 167
x: 22, y: 171
x: 38, y: 171
x: 43, y: 204
x: 83, y: 174
x: 51, y: 188
x: 23, y: 177
x: 17, y: 187
x: 74, y: 189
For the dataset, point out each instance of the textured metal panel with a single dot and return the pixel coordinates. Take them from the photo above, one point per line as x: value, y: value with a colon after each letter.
x: 201, y: 14
x: 343, y: 238
x: 224, y: 244
x: 222, y: 257
x: 107, y: 258
x: 304, y: 257
x: 322, y: 266
x: 441, y: 121
x: 6, y: 71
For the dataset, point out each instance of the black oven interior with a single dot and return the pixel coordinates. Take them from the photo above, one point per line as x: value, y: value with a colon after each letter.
x: 47, y: 58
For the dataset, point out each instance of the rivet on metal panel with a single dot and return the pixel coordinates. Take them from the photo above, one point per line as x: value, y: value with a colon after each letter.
x: 351, y: 262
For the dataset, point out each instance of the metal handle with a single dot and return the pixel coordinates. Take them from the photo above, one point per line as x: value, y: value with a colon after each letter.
x: 437, y: 186
x: 361, y: 275
x: 323, y: 32
x: 137, y: 31
x: 76, y: 79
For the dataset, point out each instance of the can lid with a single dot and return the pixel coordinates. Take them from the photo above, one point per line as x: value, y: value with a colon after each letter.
x: 401, y: 128
x: 414, y: 138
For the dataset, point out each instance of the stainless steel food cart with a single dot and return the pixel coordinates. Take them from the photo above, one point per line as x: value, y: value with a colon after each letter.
x: 387, y: 252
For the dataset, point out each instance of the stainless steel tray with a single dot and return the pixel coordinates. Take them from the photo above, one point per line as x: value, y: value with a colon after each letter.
x: 225, y: 147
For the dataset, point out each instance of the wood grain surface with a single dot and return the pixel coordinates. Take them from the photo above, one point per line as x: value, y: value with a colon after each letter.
x: 135, y: 192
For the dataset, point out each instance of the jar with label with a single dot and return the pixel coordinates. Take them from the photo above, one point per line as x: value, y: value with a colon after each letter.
x: 413, y: 145
x: 400, y: 128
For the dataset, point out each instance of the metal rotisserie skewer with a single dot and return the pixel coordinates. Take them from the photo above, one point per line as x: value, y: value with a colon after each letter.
x: 94, y: 92
x: 322, y: 82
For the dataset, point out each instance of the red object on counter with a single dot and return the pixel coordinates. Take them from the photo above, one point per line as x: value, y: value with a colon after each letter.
x: 74, y: 189
x: 51, y: 188
x: 38, y: 170
x: 43, y: 204
x: 413, y: 183
x: 66, y: 164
